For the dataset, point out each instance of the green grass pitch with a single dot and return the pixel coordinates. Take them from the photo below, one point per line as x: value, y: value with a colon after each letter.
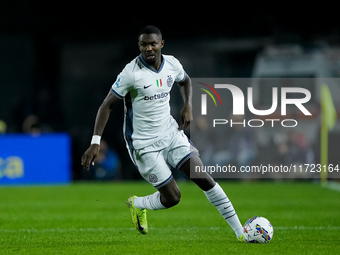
x: 92, y: 218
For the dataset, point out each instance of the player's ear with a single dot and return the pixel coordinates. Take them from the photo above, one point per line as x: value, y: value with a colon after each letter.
x: 162, y: 43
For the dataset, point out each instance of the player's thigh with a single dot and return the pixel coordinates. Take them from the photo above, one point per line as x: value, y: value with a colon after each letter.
x: 153, y: 168
x: 180, y: 150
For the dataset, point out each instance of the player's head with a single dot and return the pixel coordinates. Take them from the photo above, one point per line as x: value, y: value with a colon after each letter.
x: 150, y: 43
x: 150, y: 30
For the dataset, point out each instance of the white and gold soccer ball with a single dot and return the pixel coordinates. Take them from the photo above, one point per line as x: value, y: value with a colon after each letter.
x: 258, y: 230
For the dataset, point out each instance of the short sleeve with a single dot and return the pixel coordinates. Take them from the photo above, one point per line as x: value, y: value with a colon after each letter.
x: 180, y: 72
x: 124, y: 83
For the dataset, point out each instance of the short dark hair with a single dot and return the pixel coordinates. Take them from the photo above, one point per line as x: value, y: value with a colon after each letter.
x: 150, y: 30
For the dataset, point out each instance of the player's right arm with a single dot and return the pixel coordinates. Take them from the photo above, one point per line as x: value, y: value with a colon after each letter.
x: 123, y: 84
x: 102, y: 117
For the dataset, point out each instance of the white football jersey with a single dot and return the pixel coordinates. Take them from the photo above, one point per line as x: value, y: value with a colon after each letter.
x: 146, y: 94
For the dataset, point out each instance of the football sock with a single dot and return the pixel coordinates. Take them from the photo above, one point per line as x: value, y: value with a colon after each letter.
x: 151, y: 202
x: 219, y: 199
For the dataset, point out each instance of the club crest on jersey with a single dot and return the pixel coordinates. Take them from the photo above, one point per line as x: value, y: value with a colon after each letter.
x: 169, y: 81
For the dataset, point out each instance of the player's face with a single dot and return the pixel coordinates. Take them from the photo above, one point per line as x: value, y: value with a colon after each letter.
x: 150, y: 46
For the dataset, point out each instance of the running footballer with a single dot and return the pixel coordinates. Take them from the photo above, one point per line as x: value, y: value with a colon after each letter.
x: 153, y: 138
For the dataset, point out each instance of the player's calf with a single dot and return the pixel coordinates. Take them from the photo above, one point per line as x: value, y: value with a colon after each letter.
x: 171, y: 201
x: 170, y: 194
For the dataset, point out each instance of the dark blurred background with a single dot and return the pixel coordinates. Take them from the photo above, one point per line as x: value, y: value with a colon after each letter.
x: 59, y: 59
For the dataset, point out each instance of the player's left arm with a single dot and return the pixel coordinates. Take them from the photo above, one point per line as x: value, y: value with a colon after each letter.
x: 186, y: 92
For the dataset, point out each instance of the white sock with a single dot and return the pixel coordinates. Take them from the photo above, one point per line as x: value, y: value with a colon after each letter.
x: 219, y: 199
x: 151, y: 202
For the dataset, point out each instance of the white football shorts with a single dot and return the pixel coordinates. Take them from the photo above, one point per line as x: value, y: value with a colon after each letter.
x: 153, y: 161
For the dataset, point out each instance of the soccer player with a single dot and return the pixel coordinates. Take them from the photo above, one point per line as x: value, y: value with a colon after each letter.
x: 153, y: 138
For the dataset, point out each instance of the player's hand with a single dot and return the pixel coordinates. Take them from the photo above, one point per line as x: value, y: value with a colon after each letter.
x: 186, y: 116
x: 89, y: 156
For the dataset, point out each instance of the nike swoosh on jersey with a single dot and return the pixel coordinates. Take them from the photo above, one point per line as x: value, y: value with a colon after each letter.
x: 145, y: 87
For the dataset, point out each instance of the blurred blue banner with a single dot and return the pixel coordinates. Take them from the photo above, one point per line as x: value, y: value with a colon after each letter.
x: 43, y: 159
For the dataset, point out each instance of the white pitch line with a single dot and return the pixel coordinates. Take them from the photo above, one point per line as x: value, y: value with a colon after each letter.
x: 67, y: 230
x: 61, y: 230
x: 333, y: 186
x: 308, y: 228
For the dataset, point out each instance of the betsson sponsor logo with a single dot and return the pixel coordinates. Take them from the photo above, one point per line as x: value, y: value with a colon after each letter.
x: 156, y: 96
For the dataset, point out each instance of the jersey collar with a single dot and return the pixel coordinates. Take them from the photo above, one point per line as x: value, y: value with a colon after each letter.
x: 151, y: 68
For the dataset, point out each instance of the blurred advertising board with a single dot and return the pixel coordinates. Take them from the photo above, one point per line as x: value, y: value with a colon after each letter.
x: 42, y: 159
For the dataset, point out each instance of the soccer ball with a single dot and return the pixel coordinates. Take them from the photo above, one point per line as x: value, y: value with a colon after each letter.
x: 258, y: 230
